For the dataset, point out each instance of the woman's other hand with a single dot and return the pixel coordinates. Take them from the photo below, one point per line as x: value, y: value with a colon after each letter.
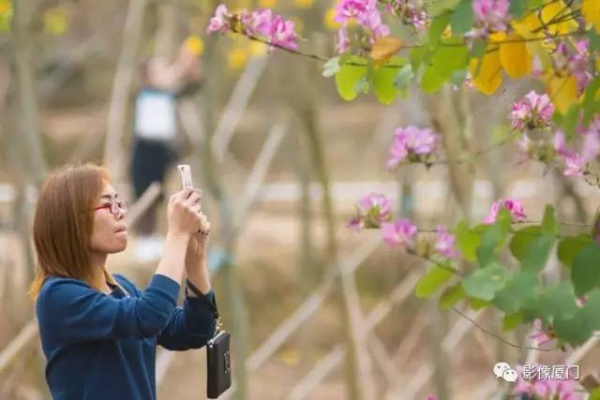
x: 183, y: 213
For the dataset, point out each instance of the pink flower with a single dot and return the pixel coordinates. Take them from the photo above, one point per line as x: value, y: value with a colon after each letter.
x: 591, y: 141
x: 533, y: 111
x: 373, y: 209
x: 358, y: 10
x: 257, y: 23
x: 412, y: 142
x: 491, y: 15
x: 575, y: 165
x: 444, y: 242
x: 513, y: 206
x: 401, y: 232
x: 365, y: 14
x: 220, y: 22
x: 283, y: 33
x: 431, y: 396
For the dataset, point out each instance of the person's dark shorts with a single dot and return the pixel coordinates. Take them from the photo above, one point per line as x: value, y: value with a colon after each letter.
x: 149, y: 163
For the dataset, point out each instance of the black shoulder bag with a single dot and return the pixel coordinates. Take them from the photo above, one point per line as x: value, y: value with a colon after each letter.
x: 218, y: 356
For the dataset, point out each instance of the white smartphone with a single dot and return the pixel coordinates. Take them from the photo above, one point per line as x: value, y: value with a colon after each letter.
x: 185, y: 174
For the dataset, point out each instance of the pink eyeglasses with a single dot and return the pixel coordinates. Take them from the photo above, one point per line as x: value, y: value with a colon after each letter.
x: 115, y: 207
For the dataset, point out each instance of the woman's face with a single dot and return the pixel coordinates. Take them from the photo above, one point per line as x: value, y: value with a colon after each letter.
x: 110, y: 233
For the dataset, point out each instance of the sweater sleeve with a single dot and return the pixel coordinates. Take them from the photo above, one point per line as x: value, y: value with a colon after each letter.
x: 190, y: 326
x: 80, y: 313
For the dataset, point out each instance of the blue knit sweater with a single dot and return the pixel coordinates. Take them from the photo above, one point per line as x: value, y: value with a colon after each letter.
x: 100, y: 346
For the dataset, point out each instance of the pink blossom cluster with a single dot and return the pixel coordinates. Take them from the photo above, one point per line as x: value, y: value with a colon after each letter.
x: 589, y: 139
x: 574, y: 59
x: 412, y: 144
x: 363, y: 12
x: 412, y: 12
x: 373, y: 209
x: 532, y: 111
x: 513, y: 206
x: 404, y: 233
x: 260, y: 24
x: 489, y: 16
x: 563, y: 389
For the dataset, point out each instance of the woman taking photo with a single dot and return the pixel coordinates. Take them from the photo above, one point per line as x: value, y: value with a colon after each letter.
x: 99, y: 332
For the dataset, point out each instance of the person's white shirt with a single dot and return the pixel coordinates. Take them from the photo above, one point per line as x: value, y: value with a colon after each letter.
x: 155, y: 115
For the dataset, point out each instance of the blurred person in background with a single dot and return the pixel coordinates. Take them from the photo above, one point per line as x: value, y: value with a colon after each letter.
x: 98, y: 331
x: 154, y: 148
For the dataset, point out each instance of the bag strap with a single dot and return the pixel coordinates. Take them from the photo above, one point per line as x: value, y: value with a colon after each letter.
x: 189, y: 285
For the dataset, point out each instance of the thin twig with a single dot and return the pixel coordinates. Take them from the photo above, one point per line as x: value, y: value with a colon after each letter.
x: 500, y: 338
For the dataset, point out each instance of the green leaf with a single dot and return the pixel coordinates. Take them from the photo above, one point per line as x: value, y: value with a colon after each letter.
x: 522, y: 241
x: 556, y: 301
x: 439, y: 6
x: 403, y: 78
x: 518, y: 8
x: 594, y: 40
x: 418, y: 56
x: 493, y: 238
x: 467, y: 241
x: 485, y: 282
x: 451, y: 295
x: 331, y: 67
x: 511, y: 321
x: 585, y: 273
x: 437, y: 28
x: 478, y: 304
x: 573, y: 330
x: 431, y: 280
x: 478, y: 50
x: 591, y: 309
x: 348, y: 77
x: 383, y: 85
x: 570, y: 246
x: 431, y: 80
x: 448, y: 59
x: 549, y: 220
x: 570, y: 121
x: 519, y: 290
x: 538, y: 254
x: 594, y: 394
x: 589, y: 104
x: 462, y: 18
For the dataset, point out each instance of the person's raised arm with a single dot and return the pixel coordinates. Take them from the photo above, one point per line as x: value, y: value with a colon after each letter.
x: 73, y: 311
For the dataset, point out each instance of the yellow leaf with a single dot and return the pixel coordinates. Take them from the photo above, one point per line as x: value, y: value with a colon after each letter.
x: 514, y: 57
x: 489, y: 77
x: 5, y: 8
x: 447, y: 32
x: 384, y: 48
x: 562, y: 91
x: 329, y: 22
x: 591, y: 13
x: 555, y: 11
x: 528, y: 26
x: 194, y: 45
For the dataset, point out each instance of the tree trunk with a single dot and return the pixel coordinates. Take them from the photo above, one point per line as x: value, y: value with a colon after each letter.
x: 114, y: 156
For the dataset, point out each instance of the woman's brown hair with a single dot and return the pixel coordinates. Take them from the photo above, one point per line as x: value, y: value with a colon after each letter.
x: 63, y: 225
